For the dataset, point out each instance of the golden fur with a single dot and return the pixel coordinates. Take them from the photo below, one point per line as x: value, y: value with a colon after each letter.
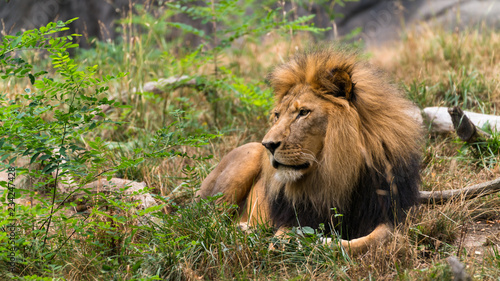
x: 361, y: 131
x: 335, y: 120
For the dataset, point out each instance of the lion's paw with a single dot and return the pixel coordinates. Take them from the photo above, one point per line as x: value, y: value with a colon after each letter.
x: 243, y: 226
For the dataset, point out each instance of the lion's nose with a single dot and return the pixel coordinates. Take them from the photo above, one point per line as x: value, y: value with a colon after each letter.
x: 271, y: 146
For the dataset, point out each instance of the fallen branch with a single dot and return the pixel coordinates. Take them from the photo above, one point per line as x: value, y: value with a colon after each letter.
x: 465, y: 129
x: 441, y: 122
x: 472, y: 191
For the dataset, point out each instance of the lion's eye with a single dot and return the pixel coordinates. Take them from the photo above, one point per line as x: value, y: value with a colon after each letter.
x: 304, y: 112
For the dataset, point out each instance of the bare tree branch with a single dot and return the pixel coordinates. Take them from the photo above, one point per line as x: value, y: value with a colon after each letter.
x: 472, y: 191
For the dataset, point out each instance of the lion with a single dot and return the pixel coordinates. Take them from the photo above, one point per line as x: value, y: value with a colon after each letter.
x: 342, y: 152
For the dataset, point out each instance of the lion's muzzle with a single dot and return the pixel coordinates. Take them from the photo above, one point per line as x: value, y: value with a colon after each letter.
x: 271, y: 146
x: 277, y: 164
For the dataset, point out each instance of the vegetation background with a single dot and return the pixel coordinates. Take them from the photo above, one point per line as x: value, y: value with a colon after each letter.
x: 71, y: 116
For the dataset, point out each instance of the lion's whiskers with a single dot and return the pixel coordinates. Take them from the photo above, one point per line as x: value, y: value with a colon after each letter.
x: 309, y: 157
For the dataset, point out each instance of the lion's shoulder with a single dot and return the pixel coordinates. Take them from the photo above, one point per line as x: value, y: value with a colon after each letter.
x: 235, y: 175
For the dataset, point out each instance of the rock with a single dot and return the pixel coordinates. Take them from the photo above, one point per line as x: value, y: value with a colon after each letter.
x: 114, y: 185
x: 458, y: 269
x: 84, y: 199
x: 113, y: 188
x: 97, y: 18
x: 381, y: 21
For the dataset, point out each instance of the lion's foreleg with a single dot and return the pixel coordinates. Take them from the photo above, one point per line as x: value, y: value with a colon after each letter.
x: 282, y: 235
x: 235, y: 175
x: 378, y: 236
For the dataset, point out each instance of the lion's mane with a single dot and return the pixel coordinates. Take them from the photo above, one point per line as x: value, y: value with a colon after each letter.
x: 369, y: 167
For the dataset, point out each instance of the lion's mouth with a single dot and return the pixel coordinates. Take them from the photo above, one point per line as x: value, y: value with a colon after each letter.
x: 277, y: 164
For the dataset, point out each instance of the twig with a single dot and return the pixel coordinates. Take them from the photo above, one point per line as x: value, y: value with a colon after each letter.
x: 58, y: 165
x: 468, y: 132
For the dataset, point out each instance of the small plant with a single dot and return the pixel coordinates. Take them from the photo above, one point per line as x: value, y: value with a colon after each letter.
x: 484, y: 153
x: 420, y: 93
x: 44, y: 127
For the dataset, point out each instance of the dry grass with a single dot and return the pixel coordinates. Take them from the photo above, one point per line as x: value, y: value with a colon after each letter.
x: 437, y: 60
x: 432, y: 233
x: 447, y: 68
x: 460, y: 68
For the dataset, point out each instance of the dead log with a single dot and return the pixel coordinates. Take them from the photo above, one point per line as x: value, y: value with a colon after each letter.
x: 465, y: 129
x: 469, y: 192
x: 158, y: 87
x: 441, y: 122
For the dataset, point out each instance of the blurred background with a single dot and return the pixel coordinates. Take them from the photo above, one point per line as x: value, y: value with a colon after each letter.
x: 379, y: 21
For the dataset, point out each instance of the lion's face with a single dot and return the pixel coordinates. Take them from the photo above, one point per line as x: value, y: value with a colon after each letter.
x: 295, y: 141
x: 334, y: 118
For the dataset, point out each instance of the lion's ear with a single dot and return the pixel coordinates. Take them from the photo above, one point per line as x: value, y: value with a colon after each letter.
x: 343, y: 83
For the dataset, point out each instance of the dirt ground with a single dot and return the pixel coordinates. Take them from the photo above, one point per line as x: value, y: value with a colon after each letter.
x: 481, y: 236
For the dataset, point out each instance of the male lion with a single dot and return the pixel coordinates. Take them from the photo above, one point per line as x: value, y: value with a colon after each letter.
x: 341, y: 143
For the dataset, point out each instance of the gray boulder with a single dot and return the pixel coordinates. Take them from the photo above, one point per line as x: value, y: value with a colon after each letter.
x: 382, y: 21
